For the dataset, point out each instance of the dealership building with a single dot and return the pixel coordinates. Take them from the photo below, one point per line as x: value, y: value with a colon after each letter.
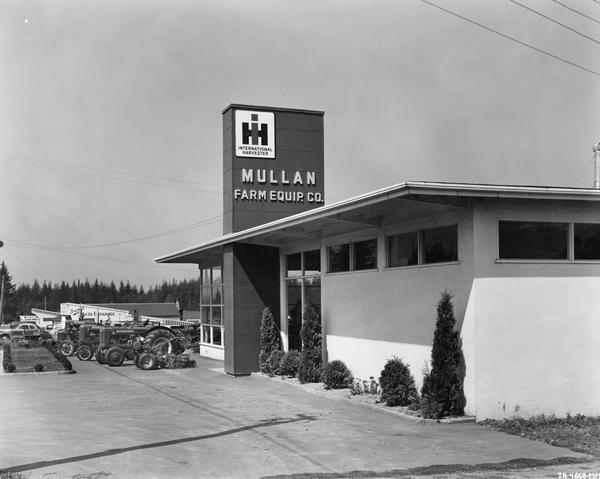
x: 521, y: 262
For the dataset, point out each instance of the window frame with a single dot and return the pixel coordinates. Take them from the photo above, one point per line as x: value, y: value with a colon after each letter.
x: 207, y: 338
x: 420, y: 236
x: 301, y: 280
x: 570, y: 242
x: 352, y: 255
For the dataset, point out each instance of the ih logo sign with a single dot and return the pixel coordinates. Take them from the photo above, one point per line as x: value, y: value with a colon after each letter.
x: 254, y: 134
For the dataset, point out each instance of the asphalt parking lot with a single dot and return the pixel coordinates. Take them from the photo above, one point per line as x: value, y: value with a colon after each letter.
x: 123, y: 422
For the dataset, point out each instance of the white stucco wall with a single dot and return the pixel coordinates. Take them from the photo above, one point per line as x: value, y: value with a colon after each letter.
x: 535, y: 324
x: 371, y: 316
x: 537, y: 347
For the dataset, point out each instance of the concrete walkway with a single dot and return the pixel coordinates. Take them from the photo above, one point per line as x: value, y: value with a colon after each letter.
x: 123, y: 422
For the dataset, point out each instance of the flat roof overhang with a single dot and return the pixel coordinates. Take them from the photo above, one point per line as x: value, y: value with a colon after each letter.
x: 394, y: 204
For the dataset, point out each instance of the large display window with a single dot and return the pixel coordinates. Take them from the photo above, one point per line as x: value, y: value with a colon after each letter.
x: 303, y: 286
x: 211, y: 306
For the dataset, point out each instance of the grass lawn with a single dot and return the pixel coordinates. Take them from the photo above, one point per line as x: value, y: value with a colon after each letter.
x: 578, y: 433
x: 25, y: 358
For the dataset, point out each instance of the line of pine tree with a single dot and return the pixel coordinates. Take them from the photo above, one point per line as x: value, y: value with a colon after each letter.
x: 18, y: 300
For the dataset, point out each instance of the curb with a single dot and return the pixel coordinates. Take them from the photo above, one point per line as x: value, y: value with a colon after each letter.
x: 41, y: 373
x: 374, y: 407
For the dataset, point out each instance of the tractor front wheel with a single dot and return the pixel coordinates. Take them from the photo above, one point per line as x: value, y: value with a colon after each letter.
x: 67, y: 347
x: 85, y: 353
x: 146, y: 361
x: 115, y: 356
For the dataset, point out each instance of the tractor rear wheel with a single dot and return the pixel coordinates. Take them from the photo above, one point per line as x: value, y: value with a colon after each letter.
x: 115, y: 356
x: 84, y: 352
x: 146, y: 361
x: 67, y: 347
x: 159, y: 341
x: 100, y: 356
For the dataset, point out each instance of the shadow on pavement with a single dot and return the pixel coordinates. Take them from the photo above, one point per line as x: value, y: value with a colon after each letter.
x: 112, y: 452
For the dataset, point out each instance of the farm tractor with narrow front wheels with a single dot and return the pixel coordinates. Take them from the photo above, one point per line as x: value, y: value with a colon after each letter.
x: 138, y: 344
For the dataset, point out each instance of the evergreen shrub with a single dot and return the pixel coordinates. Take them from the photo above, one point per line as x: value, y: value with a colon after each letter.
x: 397, y: 384
x: 289, y: 363
x: 269, y: 340
x: 52, y: 346
x: 309, y: 368
x: 38, y: 368
x: 272, y: 365
x: 7, y: 360
x: 442, y: 390
x: 336, y: 375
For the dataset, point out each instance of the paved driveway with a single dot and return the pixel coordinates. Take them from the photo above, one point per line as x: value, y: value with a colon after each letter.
x: 122, y: 422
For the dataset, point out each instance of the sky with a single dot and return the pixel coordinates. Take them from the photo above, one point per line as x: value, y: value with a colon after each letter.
x: 111, y: 127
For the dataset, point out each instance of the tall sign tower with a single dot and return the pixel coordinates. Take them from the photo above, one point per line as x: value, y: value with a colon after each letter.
x: 273, y: 164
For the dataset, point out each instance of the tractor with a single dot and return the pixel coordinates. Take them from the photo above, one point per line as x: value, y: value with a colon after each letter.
x: 88, y: 341
x: 116, y: 344
x: 68, y: 338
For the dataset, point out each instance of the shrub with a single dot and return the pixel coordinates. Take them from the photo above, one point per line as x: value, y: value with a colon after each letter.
x: 38, y: 368
x: 364, y: 386
x: 336, y: 375
x: 7, y: 363
x: 288, y: 365
x: 52, y: 346
x: 397, y: 384
x: 442, y: 391
x: 273, y: 362
x: 309, y: 367
x: 269, y: 339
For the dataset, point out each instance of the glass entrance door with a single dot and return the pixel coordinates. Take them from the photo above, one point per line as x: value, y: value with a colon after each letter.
x: 303, y: 286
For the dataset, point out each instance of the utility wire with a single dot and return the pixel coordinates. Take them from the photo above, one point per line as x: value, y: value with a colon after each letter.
x: 587, y: 165
x: 26, y: 265
x: 189, y: 227
x: 116, y: 260
x: 81, y: 173
x: 105, y: 170
x: 508, y: 37
x: 577, y: 11
x: 555, y: 21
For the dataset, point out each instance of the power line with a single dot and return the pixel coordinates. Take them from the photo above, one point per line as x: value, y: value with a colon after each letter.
x: 26, y: 265
x: 508, y: 37
x: 587, y: 165
x: 81, y: 173
x: 180, y: 229
x: 116, y: 260
x: 555, y: 21
x: 577, y: 11
x: 105, y: 170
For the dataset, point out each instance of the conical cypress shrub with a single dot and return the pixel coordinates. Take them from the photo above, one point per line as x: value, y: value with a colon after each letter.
x: 311, y: 360
x: 269, y: 340
x: 442, y: 392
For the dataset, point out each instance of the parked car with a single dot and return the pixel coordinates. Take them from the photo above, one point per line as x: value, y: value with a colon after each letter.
x: 24, y: 330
